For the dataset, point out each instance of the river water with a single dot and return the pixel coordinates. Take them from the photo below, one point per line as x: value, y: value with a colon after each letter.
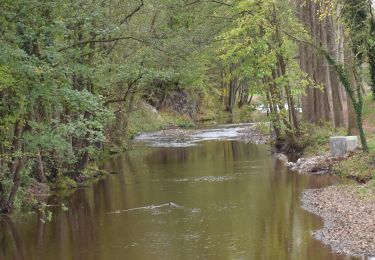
x: 211, y: 198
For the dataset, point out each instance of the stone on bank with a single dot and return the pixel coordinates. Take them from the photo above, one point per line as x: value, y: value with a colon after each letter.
x: 341, y: 145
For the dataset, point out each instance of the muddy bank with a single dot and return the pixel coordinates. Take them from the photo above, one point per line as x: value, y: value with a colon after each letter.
x: 349, y: 219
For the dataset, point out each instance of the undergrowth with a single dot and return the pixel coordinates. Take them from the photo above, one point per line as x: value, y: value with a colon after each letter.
x: 145, y: 120
x: 314, y: 139
x: 359, y: 166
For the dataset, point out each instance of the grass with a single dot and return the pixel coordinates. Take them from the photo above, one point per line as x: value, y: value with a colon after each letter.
x: 145, y: 120
x: 359, y: 166
x: 314, y: 139
x: 366, y: 191
x: 263, y: 127
x: 64, y: 183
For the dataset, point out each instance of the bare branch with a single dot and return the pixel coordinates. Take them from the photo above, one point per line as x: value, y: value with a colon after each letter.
x: 127, y: 18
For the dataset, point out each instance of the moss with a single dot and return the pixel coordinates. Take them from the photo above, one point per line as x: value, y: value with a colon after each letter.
x: 64, y: 183
x: 93, y: 171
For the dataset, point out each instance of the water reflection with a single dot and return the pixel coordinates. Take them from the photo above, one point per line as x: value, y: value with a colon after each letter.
x: 236, y: 203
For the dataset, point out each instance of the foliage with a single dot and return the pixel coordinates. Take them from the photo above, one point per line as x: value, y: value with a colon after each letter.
x: 259, y: 45
x: 69, y: 68
x: 78, y: 76
x: 315, y: 139
x: 263, y: 128
x: 64, y: 183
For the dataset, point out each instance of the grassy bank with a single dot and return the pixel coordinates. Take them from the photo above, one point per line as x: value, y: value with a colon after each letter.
x: 147, y: 119
x: 347, y: 210
x: 359, y: 165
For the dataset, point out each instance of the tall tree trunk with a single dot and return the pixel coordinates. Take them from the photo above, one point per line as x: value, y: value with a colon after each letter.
x: 232, y: 94
x: 39, y: 169
x: 371, y: 50
x: 325, y: 104
x: 337, y: 102
x: 19, y: 164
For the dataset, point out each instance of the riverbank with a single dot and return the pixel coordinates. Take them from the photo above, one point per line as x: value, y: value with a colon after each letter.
x: 347, y: 210
x: 348, y: 213
x: 144, y: 118
x: 212, y: 182
x: 321, y: 163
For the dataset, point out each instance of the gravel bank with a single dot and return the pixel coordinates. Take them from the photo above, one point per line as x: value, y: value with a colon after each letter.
x: 241, y: 132
x: 251, y: 135
x: 349, y: 220
x: 314, y: 165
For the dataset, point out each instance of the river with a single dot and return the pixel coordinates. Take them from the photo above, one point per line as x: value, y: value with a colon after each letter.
x: 210, y: 198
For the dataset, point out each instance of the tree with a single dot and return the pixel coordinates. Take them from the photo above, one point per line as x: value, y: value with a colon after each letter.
x: 354, y: 93
x: 327, y: 102
x: 71, y: 73
x: 264, y: 54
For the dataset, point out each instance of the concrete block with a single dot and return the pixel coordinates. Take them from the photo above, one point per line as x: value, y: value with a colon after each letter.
x: 341, y: 145
x: 352, y: 143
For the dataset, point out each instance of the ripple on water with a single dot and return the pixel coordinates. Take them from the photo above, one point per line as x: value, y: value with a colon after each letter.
x: 206, y: 179
x: 172, y: 144
x: 224, y: 207
x: 192, y: 237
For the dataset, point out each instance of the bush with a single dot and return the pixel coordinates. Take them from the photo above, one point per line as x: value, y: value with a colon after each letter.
x: 314, y: 139
x: 64, y: 183
x: 263, y: 128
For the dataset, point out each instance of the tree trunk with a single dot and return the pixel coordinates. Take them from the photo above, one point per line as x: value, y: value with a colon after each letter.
x: 371, y: 51
x: 18, y: 166
x: 39, y: 169
x: 325, y: 104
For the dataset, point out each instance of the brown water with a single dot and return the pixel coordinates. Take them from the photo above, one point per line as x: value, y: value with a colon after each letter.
x: 229, y: 200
